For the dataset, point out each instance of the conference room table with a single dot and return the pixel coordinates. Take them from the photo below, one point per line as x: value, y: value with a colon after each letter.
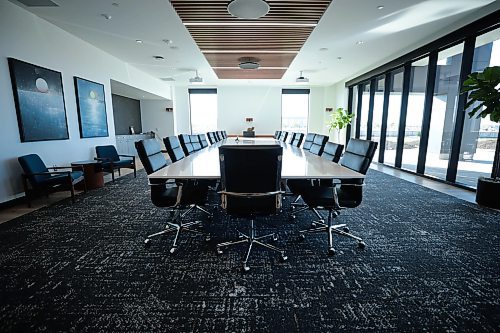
x: 297, y: 163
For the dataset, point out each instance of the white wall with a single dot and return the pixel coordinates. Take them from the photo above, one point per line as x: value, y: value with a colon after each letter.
x: 155, y: 118
x: 263, y: 104
x: 26, y: 37
x: 182, y: 122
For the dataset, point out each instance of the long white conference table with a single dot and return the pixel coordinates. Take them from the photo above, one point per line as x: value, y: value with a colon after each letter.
x: 296, y: 163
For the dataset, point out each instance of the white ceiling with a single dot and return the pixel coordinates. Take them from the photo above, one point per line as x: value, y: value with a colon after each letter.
x: 402, y: 25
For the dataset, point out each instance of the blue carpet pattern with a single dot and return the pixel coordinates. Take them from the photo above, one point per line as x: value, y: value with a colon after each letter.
x: 431, y: 265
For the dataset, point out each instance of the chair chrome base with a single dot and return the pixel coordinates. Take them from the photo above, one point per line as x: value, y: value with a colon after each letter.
x: 339, y: 229
x: 180, y: 226
x: 321, y: 219
x: 252, y: 239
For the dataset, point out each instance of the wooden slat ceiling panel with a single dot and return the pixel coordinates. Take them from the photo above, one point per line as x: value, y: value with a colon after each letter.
x: 247, y: 74
x: 284, y: 29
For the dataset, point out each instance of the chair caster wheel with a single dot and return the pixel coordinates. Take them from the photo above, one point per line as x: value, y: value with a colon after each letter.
x: 345, y: 229
x: 361, y: 245
x: 302, y: 237
x: 173, y: 250
x: 246, y: 268
x: 147, y: 242
x: 208, y: 238
x: 219, y: 251
x: 331, y: 251
x: 275, y: 238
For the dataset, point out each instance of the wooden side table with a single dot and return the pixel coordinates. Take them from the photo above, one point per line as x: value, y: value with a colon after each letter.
x: 94, y: 176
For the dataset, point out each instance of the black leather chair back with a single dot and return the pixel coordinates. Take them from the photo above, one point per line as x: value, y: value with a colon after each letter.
x: 221, y: 135
x: 283, y: 136
x: 308, y: 141
x: 358, y: 155
x: 224, y: 134
x: 332, y: 152
x: 195, y: 141
x: 203, y: 140
x: 251, y: 169
x: 297, y: 139
x: 187, y: 146
x: 174, y: 149
x: 291, y: 136
x: 211, y: 137
x: 217, y: 136
x: 149, y: 152
x: 318, y: 144
x: 277, y: 134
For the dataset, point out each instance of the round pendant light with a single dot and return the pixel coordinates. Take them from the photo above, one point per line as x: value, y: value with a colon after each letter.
x: 248, y: 9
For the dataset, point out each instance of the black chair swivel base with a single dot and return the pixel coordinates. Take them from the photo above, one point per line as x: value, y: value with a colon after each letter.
x: 339, y: 229
x: 252, y: 240
x: 177, y: 225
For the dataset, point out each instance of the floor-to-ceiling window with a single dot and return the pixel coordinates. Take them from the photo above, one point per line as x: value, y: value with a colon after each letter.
x: 394, y: 111
x: 353, y: 109
x: 294, y: 110
x: 444, y: 108
x: 479, y: 135
x: 378, y: 107
x: 365, y: 104
x: 203, y: 106
x: 416, y: 98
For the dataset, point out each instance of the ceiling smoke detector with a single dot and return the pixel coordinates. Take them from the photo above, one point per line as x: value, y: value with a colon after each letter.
x: 302, y: 79
x: 249, y: 63
x: 196, y: 79
x: 248, y: 9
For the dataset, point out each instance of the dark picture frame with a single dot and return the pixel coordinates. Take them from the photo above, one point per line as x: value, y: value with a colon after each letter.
x: 39, y: 99
x: 91, y: 106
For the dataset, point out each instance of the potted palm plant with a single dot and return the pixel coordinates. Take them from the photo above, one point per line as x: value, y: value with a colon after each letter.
x: 339, y: 119
x: 483, y: 91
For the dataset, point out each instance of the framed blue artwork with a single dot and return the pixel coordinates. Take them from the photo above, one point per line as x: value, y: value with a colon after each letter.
x: 39, y: 100
x: 91, y: 106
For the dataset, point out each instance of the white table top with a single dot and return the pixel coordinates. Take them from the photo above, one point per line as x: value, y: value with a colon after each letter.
x: 296, y: 164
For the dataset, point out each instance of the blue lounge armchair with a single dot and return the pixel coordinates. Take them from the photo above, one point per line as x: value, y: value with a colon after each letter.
x: 37, y: 174
x: 111, y: 160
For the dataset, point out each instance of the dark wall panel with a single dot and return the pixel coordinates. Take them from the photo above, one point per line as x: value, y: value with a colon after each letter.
x: 127, y: 112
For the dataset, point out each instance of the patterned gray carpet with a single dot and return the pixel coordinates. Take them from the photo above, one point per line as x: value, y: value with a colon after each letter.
x: 432, y: 264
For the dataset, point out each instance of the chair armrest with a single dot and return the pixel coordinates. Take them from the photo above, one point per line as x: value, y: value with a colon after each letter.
x: 132, y: 156
x: 80, y: 167
x: 251, y: 195
x: 103, y: 159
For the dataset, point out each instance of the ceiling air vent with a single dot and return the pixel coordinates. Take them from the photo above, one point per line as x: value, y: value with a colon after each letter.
x: 249, y: 63
x: 38, y: 3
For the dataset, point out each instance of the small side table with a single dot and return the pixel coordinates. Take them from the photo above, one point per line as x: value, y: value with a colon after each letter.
x: 93, y: 173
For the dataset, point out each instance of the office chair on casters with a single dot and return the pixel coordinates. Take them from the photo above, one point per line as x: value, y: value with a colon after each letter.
x: 308, y: 141
x: 174, y: 148
x: 297, y: 139
x: 181, y: 197
x: 250, y: 182
x: 346, y: 194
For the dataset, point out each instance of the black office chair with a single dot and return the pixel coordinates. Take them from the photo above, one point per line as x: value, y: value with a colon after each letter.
x: 250, y: 182
x: 283, y: 136
x: 224, y: 134
x: 332, y: 151
x: 217, y: 136
x: 211, y: 137
x: 37, y: 174
x: 195, y: 141
x: 308, y: 141
x: 291, y: 136
x: 187, y: 146
x: 297, y: 139
x: 318, y: 144
x: 346, y: 194
x: 221, y: 135
x: 203, y: 140
x: 277, y: 134
x: 112, y: 161
x: 174, y: 149
x: 182, y: 197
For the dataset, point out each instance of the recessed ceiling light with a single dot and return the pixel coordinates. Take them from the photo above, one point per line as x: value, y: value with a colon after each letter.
x: 248, y: 9
x: 339, y: 58
x: 323, y: 49
x: 360, y: 42
x: 138, y: 41
x: 106, y: 16
x: 174, y: 47
x: 116, y: 4
x: 159, y: 57
x: 380, y: 7
x: 168, y: 41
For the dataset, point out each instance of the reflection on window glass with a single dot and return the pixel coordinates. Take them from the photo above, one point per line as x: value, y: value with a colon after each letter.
x: 479, y: 135
x: 203, y: 112
x: 393, y: 117
x: 444, y: 107
x: 378, y: 107
x: 354, y: 108
x: 365, y: 104
x: 294, y: 112
x: 418, y: 82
